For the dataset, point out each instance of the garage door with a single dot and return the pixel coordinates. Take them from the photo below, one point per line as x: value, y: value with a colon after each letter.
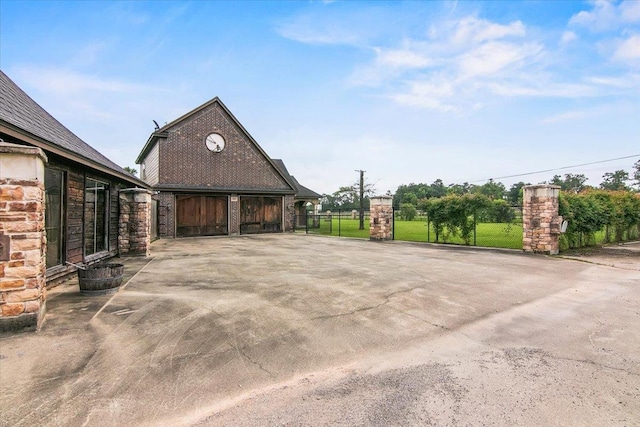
x: 260, y: 214
x: 198, y: 215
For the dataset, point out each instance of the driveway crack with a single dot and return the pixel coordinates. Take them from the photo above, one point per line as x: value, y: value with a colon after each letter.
x: 246, y: 356
x: 591, y: 362
x: 373, y: 307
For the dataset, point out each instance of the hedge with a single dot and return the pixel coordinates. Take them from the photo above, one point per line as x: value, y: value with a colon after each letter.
x: 599, y: 216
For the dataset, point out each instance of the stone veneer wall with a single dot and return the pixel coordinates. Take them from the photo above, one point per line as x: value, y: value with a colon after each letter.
x: 22, y: 238
x: 134, y: 229
x: 288, y: 222
x: 381, y: 218
x: 540, y: 220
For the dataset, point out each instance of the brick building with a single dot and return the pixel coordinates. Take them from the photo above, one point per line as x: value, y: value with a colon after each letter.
x: 212, y: 178
x: 61, y: 203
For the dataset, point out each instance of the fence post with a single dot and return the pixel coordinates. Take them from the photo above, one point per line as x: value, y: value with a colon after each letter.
x: 379, y: 222
x: 428, y: 230
x: 540, y: 219
x: 306, y: 222
x: 393, y: 223
x: 339, y: 222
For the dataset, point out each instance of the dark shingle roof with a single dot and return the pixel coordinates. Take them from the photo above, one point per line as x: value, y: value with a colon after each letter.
x: 20, y: 111
x: 302, y: 192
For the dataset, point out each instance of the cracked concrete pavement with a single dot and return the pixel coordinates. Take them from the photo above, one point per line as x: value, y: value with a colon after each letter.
x: 309, y: 330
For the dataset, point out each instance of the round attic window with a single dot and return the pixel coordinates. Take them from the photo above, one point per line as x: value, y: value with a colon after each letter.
x: 215, y: 142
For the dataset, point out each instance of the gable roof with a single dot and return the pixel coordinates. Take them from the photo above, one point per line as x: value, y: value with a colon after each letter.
x: 302, y: 192
x: 22, y: 117
x: 163, y: 133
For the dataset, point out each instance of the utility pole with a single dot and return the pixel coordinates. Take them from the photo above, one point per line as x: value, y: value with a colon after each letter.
x: 361, y: 198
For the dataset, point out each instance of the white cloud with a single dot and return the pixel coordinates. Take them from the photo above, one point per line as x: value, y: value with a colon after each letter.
x: 601, y: 110
x: 625, y: 82
x: 493, y: 57
x: 402, y: 58
x: 70, y: 82
x: 430, y: 94
x: 331, y: 34
x: 327, y: 28
x: 567, y: 116
x: 603, y: 16
x: 452, y: 68
x: 607, y: 15
x: 629, y: 49
x: 630, y: 11
x: 473, y: 30
x: 568, y: 37
x: 542, y: 89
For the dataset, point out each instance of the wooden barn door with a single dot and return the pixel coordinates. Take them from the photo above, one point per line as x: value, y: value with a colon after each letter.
x: 260, y: 214
x: 201, y: 215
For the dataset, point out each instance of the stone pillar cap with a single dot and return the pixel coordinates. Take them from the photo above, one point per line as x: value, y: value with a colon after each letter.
x: 9, y: 148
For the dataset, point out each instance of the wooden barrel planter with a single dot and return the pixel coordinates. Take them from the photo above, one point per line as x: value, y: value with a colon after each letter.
x: 100, y: 279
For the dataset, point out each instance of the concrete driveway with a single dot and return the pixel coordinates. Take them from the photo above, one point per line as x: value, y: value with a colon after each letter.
x: 309, y: 330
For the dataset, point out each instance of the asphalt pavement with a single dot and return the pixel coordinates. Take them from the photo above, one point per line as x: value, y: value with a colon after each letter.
x: 292, y: 329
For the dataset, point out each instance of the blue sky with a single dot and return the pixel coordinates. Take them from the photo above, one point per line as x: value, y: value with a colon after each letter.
x: 409, y: 92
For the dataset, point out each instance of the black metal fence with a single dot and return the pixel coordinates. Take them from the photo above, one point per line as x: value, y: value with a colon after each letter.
x: 343, y: 223
x: 480, y: 229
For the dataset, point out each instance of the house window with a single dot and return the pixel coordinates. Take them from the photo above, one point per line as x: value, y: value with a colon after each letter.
x: 54, y: 216
x: 95, y: 216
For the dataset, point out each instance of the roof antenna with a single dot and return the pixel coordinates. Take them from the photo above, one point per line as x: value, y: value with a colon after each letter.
x: 156, y: 123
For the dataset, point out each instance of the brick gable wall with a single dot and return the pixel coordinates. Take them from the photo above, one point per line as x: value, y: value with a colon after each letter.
x: 185, y: 160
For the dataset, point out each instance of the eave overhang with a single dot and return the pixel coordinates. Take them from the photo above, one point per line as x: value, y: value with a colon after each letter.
x: 21, y: 134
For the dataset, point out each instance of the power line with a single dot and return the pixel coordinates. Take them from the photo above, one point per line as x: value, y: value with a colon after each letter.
x: 557, y: 169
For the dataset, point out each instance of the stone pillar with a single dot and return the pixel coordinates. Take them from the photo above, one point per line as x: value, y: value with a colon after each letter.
x: 289, y: 214
x: 23, y: 242
x: 540, y: 220
x: 134, y: 224
x: 234, y: 215
x: 380, y: 218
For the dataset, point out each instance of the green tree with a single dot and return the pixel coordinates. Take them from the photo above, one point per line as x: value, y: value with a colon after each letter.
x: 459, y: 189
x: 411, y: 193
x: 493, y: 190
x: 132, y: 171
x: 437, y: 189
x: 615, y: 180
x: 347, y: 198
x: 636, y: 174
x: 514, y: 195
x: 574, y: 183
x: 409, y: 198
x: 408, y: 211
x: 453, y: 214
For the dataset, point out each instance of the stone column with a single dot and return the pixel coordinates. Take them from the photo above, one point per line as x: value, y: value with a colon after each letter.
x: 289, y: 214
x: 134, y: 227
x: 380, y: 218
x: 234, y: 215
x: 23, y: 242
x: 540, y: 220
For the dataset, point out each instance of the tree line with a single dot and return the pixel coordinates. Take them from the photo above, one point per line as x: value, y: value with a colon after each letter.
x: 347, y: 198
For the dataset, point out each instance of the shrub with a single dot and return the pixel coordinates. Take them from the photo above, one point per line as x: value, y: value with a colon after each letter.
x: 454, y: 214
x: 407, y: 211
x: 597, y: 210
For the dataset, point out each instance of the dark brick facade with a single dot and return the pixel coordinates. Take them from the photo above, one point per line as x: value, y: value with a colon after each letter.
x: 186, y: 161
x: 186, y: 166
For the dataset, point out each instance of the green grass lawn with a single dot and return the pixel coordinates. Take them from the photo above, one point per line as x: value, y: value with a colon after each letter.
x: 345, y: 227
x: 488, y: 234
x: 495, y: 235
